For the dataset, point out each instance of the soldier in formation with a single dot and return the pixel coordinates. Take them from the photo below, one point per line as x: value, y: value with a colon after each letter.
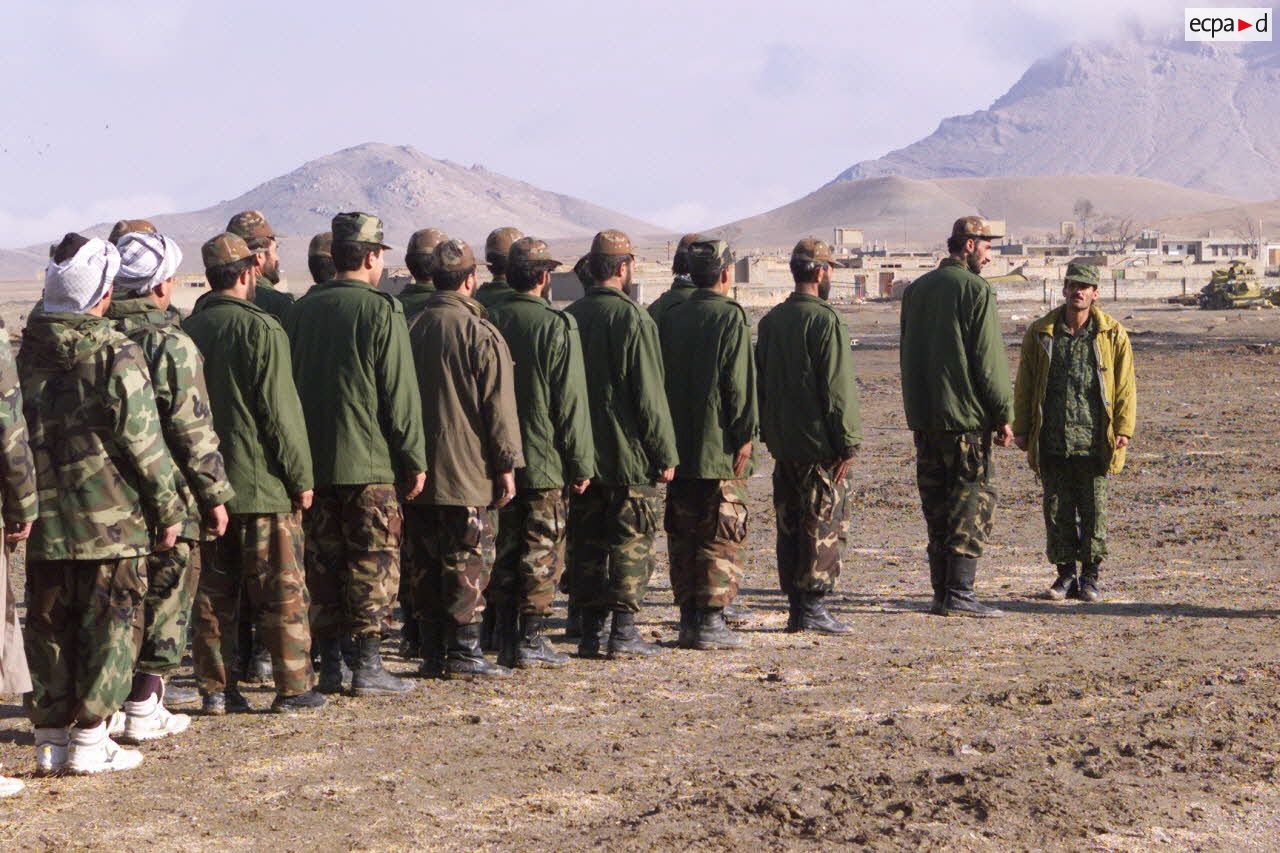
x: 320, y: 257
x: 682, y: 286
x: 252, y: 227
x: 496, y: 248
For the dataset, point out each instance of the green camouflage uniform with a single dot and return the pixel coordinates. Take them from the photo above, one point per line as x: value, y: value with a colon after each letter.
x: 612, y: 524
x: 956, y: 390
x: 17, y: 507
x: 809, y: 419
x: 105, y: 481
x: 681, y: 289
x: 713, y: 409
x: 275, y: 302
x: 177, y: 377
x: 555, y: 430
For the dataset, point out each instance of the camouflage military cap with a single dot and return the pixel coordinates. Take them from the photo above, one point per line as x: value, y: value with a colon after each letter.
x: 528, y: 252
x: 1083, y: 273
x: 129, y: 226
x: 498, y: 244
x: 709, y: 256
x: 321, y: 246
x: 813, y: 250
x: 611, y: 243
x: 453, y: 256
x: 356, y: 227
x: 582, y: 269
x: 977, y: 228
x: 424, y: 242
x: 253, y: 228
x: 226, y: 248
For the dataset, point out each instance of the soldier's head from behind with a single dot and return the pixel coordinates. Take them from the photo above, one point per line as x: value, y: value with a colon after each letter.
x: 582, y: 269
x: 358, y: 247
x: 128, y: 226
x: 970, y: 242
x: 497, y: 246
x: 711, y: 264
x: 811, y: 265
x: 454, y: 267
x: 1080, y: 285
x: 611, y: 260
x: 680, y: 260
x: 79, y: 277
x: 148, y: 267
x: 230, y: 266
x: 419, y: 256
x: 529, y: 266
x: 320, y: 258
x: 252, y: 227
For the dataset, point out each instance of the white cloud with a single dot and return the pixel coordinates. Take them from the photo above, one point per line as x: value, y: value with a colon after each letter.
x: 19, y: 230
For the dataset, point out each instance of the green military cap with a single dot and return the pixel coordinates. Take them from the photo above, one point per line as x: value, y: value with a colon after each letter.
x: 498, y: 244
x: 356, y: 227
x: 321, y: 246
x: 582, y: 269
x: 226, y: 248
x: 129, y: 226
x: 253, y: 227
x: 709, y: 256
x: 1083, y: 273
x: 528, y: 251
x: 977, y: 228
x: 813, y: 250
x: 611, y: 243
x: 453, y: 256
x: 425, y: 241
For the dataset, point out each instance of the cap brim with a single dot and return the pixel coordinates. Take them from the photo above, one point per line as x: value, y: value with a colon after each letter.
x: 387, y: 248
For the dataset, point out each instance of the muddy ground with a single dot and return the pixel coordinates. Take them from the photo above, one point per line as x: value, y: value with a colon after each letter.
x: 1151, y: 718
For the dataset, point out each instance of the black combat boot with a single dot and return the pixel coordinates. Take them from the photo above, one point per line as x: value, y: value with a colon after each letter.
x: 688, y: 625
x: 1089, y: 582
x: 489, y: 639
x: 572, y: 622
x: 814, y: 615
x: 465, y: 659
x: 227, y: 701
x: 938, y: 577
x: 1065, y: 586
x: 409, y: 645
x: 713, y: 633
x: 795, y: 615
x: 330, y: 680
x: 625, y: 640
x: 737, y: 614
x: 260, y: 664
x: 507, y: 625
x: 309, y: 701
x: 177, y: 697
x: 592, y: 620
x: 533, y: 649
x: 431, y: 639
x: 369, y: 678
x: 960, y: 600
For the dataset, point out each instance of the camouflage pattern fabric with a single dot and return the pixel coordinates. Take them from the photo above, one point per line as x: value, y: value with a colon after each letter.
x: 530, y: 550
x: 1075, y: 508
x: 812, y: 511
x: 953, y: 473
x: 17, y: 465
x: 161, y: 633
x: 706, y: 523
x: 353, y: 558
x: 262, y: 554
x: 450, y: 550
x: 611, y: 543
x: 79, y: 637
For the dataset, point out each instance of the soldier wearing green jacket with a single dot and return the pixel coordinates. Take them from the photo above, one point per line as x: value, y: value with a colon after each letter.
x: 957, y: 394
x: 419, y: 257
x: 555, y: 430
x: 711, y: 389
x: 469, y: 409
x: 810, y: 421
x: 320, y: 257
x: 354, y: 371
x: 107, y: 499
x: 496, y: 248
x: 263, y: 439
x: 253, y: 227
x: 682, y: 287
x: 143, y: 292
x: 612, y: 523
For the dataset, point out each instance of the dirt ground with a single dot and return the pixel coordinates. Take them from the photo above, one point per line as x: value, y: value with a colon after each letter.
x: 1151, y: 718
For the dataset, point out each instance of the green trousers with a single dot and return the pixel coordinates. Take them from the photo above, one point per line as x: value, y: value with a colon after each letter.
x: 1075, y: 509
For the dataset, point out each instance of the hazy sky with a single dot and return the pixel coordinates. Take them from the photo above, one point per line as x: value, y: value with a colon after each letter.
x: 682, y: 113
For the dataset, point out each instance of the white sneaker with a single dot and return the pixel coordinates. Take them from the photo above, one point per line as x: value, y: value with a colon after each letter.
x: 51, y: 750
x: 91, y: 751
x: 115, y: 724
x: 10, y: 787
x: 150, y: 720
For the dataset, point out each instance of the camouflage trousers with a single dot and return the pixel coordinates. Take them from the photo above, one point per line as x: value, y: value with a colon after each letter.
x: 353, y: 558
x: 79, y: 637
x: 1075, y: 509
x: 449, y: 550
x: 610, y: 534
x: 954, y: 472
x: 706, y: 523
x: 163, y: 625
x: 261, y: 554
x: 530, y: 550
x: 812, y: 510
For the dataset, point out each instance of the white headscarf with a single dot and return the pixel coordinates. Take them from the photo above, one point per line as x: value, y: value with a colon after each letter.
x: 79, y: 283
x: 146, y: 260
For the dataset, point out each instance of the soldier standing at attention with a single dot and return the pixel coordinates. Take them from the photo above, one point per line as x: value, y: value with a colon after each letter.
x: 256, y: 232
x: 810, y: 421
x: 355, y: 376
x: 555, y: 429
x: 143, y: 292
x: 419, y: 257
x: 469, y: 409
x: 614, y: 520
x: 263, y: 439
x: 712, y: 392
x: 496, y: 247
x: 682, y: 287
x: 106, y: 500
x: 957, y: 394
x: 1075, y: 409
x: 320, y: 257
